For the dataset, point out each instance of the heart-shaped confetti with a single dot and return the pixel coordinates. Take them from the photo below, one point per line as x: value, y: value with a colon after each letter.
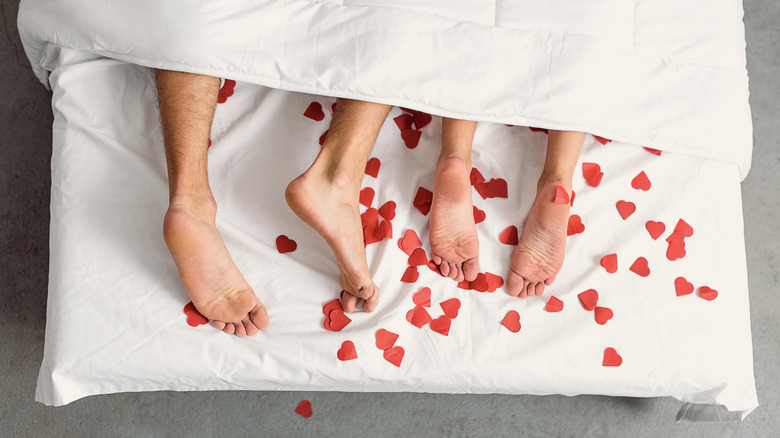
x: 676, y: 249
x: 323, y: 137
x: 226, y: 90
x: 284, y: 244
x: 314, y: 112
x: 592, y: 174
x: 602, y: 315
x: 422, y: 297
x: 394, y: 355
x: 611, y: 358
x: 683, y: 228
x: 708, y: 293
x: 418, y: 258
x: 554, y: 305
x: 421, y: 119
x: 410, y: 275
x: 575, y: 225
x: 372, y: 167
x: 418, y: 316
x: 367, y: 196
x: 479, y: 215
x: 494, y: 281
x: 602, y: 140
x: 533, y: 129
x: 411, y: 137
x: 422, y: 200
x: 338, y: 320
x: 641, y: 181
x: 441, y: 325
x: 561, y: 195
x: 656, y: 229
x: 385, y: 339
x: 571, y: 202
x: 625, y: 208
x: 304, y: 409
x: 653, y: 151
x: 512, y: 321
x: 610, y: 263
x: 347, y: 351
x: 497, y: 188
x: 482, y: 189
x: 475, y: 176
x: 370, y: 218
x: 331, y: 306
x: 194, y: 318
x: 451, y: 307
x: 589, y: 299
x: 387, y: 210
x: 508, y: 236
x: 409, y: 242
x: 480, y: 283
x: 384, y: 230
x: 404, y: 122
x: 640, y: 267
x: 682, y: 286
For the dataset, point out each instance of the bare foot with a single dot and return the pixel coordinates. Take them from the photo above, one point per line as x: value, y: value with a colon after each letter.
x: 453, y: 235
x: 539, y: 255
x: 212, y: 280
x: 330, y: 205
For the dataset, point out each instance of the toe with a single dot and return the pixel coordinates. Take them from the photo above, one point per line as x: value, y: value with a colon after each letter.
x: 251, y: 329
x: 372, y: 300
x: 539, y: 288
x: 514, y: 284
x: 453, y: 270
x: 230, y: 328
x: 444, y: 268
x: 549, y: 281
x: 349, y: 302
x: 259, y: 316
x: 459, y: 277
x: 436, y: 259
x: 218, y: 324
x: 240, y: 330
x: 470, y: 269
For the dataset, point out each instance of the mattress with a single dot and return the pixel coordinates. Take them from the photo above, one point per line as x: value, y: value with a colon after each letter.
x: 116, y: 320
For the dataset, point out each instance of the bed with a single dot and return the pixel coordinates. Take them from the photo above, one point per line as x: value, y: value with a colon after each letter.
x: 652, y: 299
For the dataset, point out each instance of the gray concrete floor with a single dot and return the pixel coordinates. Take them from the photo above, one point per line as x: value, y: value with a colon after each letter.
x: 25, y: 150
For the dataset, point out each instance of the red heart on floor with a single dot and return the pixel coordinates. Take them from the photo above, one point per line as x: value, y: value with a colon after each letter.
x: 387, y: 210
x: 422, y: 200
x: 226, y: 90
x: 409, y: 242
x: 480, y: 283
x: 571, y: 203
x: 512, y: 321
x: 421, y: 119
x: 494, y: 281
x: 367, y: 196
x: 561, y: 195
x: 394, y: 355
x: 370, y: 235
x: 331, y: 306
x: 602, y: 315
x: 476, y: 177
x: 602, y: 140
x: 347, y: 351
x: 610, y: 263
x: 434, y: 267
x: 385, y: 339
x: 418, y: 258
x: 441, y: 325
x: 676, y: 250
x: 284, y: 244
x: 640, y: 267
x: 323, y: 137
x: 481, y: 188
x: 707, y: 293
x: 592, y: 174
x: 508, y: 236
x: 372, y: 167
x: 656, y: 229
x: 653, y: 151
x: 314, y: 112
x: 304, y: 409
x: 682, y: 286
x: 589, y: 299
x: 384, y: 230
x: 496, y: 188
x: 418, y: 316
x: 575, y: 225
x: 370, y: 218
x: 404, y: 122
x: 451, y: 307
x: 625, y: 208
x: 464, y: 285
x: 338, y: 320
x: 479, y: 215
x: 611, y: 358
x: 422, y: 297
x: 194, y: 318
x: 683, y: 228
x: 410, y: 275
x: 411, y: 137
x: 554, y: 305
x: 641, y: 181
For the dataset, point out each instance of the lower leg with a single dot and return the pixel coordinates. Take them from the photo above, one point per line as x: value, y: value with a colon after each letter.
x: 326, y: 196
x: 539, y: 255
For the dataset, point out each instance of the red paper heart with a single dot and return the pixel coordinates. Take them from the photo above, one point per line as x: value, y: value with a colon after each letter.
x: 464, y: 285
x: 708, y: 293
x: 347, y: 351
x: 656, y: 229
x: 418, y: 258
x: 602, y: 140
x: 676, y: 250
x: 512, y: 321
x: 421, y: 119
x: 589, y: 299
x: 314, y: 112
x: 682, y: 286
x: 611, y: 358
x: 451, y: 307
x: 592, y: 174
x: 571, y: 203
x: 625, y: 208
x: 284, y: 244
x: 387, y: 210
x: 323, y: 137
x: 370, y: 218
x: 641, y: 182
x: 226, y: 90
x: 575, y: 225
x: 418, y: 316
x: 411, y: 137
x: 554, y: 305
x: 410, y: 275
x: 610, y: 263
x: 434, y: 267
x: 480, y: 283
x: 194, y: 318
x: 384, y: 230
x: 304, y: 409
x: 422, y: 297
x: 497, y: 188
x: 683, y: 228
x: 640, y: 267
x: 476, y: 177
x: 385, y: 339
x: 422, y: 200
x: 394, y: 355
x: 482, y: 189
x: 404, y: 121
x: 494, y: 281
x: 367, y: 196
x: 372, y: 167
x: 338, y: 320
x: 333, y: 107
x: 561, y: 195
x: 508, y: 236
x: 602, y: 315
x: 537, y: 129
x: 409, y: 242
x: 371, y: 235
x: 479, y: 215
x: 441, y: 325
x: 331, y: 306
x: 653, y: 151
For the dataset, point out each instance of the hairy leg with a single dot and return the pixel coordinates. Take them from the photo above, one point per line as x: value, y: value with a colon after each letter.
x: 539, y: 255
x: 326, y: 196
x: 213, y: 282
x: 453, y: 235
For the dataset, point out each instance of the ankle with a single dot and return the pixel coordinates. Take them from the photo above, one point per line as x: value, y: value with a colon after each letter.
x: 202, y: 206
x: 455, y: 157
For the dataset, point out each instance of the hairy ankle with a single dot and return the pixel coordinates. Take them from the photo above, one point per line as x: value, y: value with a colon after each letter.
x: 454, y: 156
x: 202, y: 206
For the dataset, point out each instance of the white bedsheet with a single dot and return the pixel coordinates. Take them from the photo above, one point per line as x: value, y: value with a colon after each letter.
x: 115, y: 320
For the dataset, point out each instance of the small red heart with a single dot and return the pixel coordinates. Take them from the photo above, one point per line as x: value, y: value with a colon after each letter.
x: 625, y: 208
x: 422, y: 200
x: 537, y: 129
x: 554, y: 305
x: 304, y: 409
x: 194, y: 318
x: 561, y: 195
x: 411, y: 137
x: 394, y: 355
x: 367, y: 196
x: 682, y: 286
x: 497, y: 188
x: 418, y: 258
x: 602, y: 315
x: 284, y: 244
x: 475, y: 176
x: 640, y: 267
x: 655, y: 229
x: 451, y: 307
x: 372, y: 167
x: 421, y: 119
x: 418, y: 316
x: 676, y: 250
x: 410, y: 275
x: 509, y: 236
x: 422, y: 297
x: 338, y: 320
x: 641, y: 182
x: 575, y: 225
x: 409, y: 242
x: 314, y: 112
x: 226, y: 90
x: 592, y: 174
x: 610, y: 263
x: 653, y: 151
x: 387, y: 210
x: 571, y: 203
x: 512, y: 321
x: 479, y: 215
x: 347, y: 351
x: 441, y: 325
x: 323, y: 137
x: 371, y: 235
x: 707, y: 293
x: 331, y: 306
x: 494, y: 281
x: 404, y: 122
x: 482, y: 189
x: 602, y: 140
x: 480, y: 283
x: 683, y: 228
x: 465, y: 285
x: 385, y: 339
x: 589, y: 299
x: 370, y: 218
x: 611, y: 358
x: 384, y: 230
